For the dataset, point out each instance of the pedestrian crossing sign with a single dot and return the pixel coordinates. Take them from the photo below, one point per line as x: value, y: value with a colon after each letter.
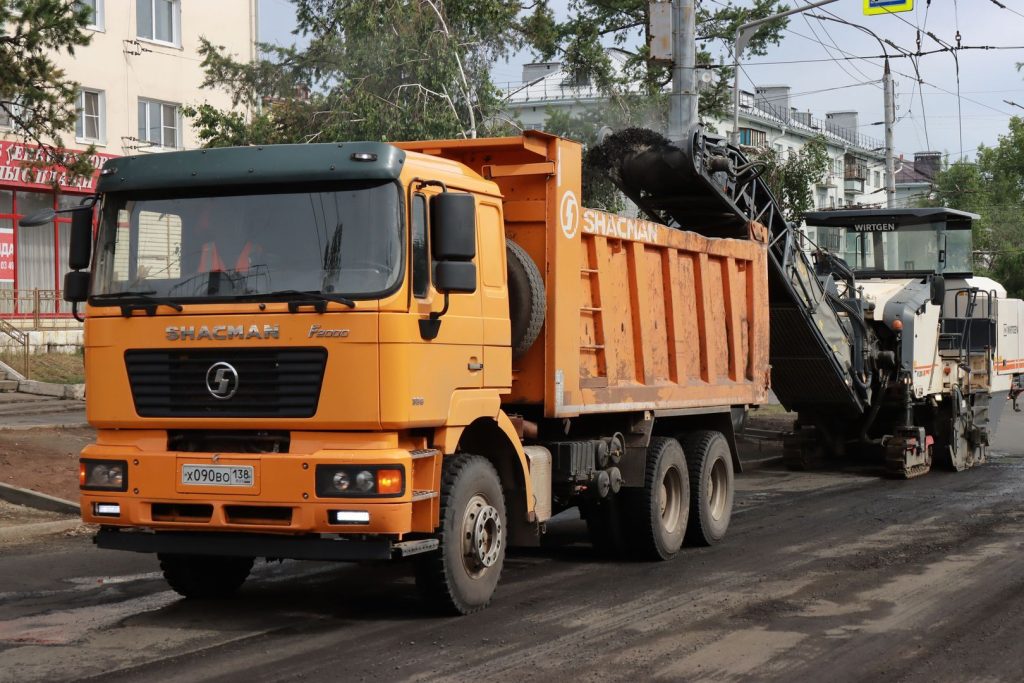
x: 887, y: 6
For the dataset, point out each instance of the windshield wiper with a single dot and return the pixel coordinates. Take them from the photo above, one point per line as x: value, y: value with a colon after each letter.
x: 319, y: 297
x: 144, y: 301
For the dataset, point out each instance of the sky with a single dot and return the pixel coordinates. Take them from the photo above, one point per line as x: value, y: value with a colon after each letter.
x: 815, y: 59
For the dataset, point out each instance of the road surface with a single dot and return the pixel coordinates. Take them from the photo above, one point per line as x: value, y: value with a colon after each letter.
x: 837, y: 575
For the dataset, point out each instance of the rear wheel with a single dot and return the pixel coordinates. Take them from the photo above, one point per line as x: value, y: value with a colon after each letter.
x: 712, y: 486
x: 460, y: 577
x: 205, y: 576
x: 656, y: 515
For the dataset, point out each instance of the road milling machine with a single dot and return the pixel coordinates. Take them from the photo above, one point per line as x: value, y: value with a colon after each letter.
x: 883, y: 341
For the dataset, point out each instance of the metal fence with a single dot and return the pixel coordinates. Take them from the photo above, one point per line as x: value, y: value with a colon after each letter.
x: 770, y: 112
x: 36, y: 309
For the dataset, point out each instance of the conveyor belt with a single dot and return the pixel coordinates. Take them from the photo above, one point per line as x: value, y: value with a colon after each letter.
x: 708, y: 186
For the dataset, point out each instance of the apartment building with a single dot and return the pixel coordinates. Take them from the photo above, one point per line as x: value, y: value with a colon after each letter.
x: 141, y: 67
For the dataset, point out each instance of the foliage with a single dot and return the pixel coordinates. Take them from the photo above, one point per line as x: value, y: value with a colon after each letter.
x: 599, y: 192
x: 581, y: 42
x: 373, y: 70
x: 993, y: 187
x: 791, y: 178
x: 35, y: 94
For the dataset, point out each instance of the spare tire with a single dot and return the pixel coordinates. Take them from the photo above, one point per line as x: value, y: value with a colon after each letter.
x: 527, y: 305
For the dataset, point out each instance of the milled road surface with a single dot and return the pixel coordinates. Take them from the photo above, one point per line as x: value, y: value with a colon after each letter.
x: 826, y: 576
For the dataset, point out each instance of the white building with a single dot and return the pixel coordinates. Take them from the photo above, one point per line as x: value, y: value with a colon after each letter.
x: 141, y: 67
x: 767, y: 119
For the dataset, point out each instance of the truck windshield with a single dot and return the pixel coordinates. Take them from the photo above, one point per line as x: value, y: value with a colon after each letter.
x: 345, y: 241
x: 881, y: 248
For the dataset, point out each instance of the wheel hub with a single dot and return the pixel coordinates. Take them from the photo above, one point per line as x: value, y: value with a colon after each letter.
x: 482, y: 535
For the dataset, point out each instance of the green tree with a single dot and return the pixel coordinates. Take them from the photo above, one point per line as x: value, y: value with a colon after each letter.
x: 373, y: 69
x: 592, y: 26
x: 993, y: 187
x: 791, y: 177
x: 35, y: 94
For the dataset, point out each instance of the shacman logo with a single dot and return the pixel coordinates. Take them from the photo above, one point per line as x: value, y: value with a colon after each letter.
x: 222, y: 380
x: 222, y: 332
x: 569, y: 214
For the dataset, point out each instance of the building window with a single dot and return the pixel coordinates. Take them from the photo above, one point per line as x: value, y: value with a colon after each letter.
x: 91, y: 123
x: 878, y: 179
x: 160, y: 124
x: 97, y: 12
x: 837, y: 167
x: 753, y: 138
x: 5, y: 118
x: 158, y: 20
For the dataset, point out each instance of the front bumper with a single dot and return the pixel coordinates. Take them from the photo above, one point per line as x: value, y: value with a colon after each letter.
x: 260, y: 545
x: 282, y: 500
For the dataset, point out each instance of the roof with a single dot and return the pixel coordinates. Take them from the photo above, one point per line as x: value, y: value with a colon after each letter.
x: 262, y: 165
x: 909, y: 174
x: 900, y: 216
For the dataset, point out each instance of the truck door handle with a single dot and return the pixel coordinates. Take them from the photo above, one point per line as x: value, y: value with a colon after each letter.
x: 474, y: 366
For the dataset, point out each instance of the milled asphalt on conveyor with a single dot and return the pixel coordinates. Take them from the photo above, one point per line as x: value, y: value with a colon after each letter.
x: 836, y: 575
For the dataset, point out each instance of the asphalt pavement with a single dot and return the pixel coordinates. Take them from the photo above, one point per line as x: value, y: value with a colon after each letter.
x: 836, y: 575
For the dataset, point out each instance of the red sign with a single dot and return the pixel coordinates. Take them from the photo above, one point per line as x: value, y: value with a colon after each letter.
x: 6, y: 255
x: 13, y: 173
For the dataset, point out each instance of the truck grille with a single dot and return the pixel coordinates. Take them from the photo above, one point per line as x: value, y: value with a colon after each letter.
x: 269, y: 383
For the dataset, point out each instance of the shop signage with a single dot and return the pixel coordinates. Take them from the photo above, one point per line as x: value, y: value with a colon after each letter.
x: 6, y: 255
x: 14, y: 174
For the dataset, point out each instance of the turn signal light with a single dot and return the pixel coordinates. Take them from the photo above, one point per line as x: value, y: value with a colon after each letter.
x: 389, y: 481
x: 897, y: 324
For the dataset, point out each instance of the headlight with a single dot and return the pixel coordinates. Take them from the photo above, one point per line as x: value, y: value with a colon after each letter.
x: 341, y: 481
x: 359, y: 481
x: 103, y: 475
x: 365, y: 481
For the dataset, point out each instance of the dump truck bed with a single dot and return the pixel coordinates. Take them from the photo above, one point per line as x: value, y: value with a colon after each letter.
x: 639, y: 316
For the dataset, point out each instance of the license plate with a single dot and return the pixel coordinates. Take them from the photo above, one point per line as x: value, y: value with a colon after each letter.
x: 217, y: 475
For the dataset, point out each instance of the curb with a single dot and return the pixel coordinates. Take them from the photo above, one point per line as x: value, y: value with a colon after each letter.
x: 66, y: 391
x: 44, y: 425
x: 26, y: 531
x: 39, y: 501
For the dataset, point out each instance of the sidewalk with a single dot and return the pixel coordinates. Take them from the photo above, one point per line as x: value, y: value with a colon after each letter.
x: 29, y: 411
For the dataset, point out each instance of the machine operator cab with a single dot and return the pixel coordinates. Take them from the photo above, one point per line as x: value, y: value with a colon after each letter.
x: 898, y: 243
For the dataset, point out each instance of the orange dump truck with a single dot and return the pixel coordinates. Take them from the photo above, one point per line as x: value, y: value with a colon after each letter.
x: 364, y: 351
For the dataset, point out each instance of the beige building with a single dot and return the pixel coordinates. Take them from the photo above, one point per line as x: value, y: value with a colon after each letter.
x: 142, y: 66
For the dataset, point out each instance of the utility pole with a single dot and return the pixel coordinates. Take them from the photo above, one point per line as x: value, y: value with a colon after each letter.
x: 683, y: 100
x: 743, y: 34
x: 890, y: 119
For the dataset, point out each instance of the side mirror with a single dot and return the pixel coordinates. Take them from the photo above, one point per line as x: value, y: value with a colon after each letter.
x: 938, y: 290
x: 80, y: 244
x: 76, y: 286
x: 41, y: 217
x: 455, y: 276
x: 453, y: 226
x: 453, y: 246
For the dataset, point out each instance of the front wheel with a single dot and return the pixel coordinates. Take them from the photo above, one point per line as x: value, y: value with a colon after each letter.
x: 205, y: 576
x: 656, y: 515
x: 460, y: 577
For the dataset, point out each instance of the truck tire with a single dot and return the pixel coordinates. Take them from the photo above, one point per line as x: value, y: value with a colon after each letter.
x: 712, y: 486
x: 461, y: 575
x: 655, y: 515
x: 205, y: 576
x: 527, y: 303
